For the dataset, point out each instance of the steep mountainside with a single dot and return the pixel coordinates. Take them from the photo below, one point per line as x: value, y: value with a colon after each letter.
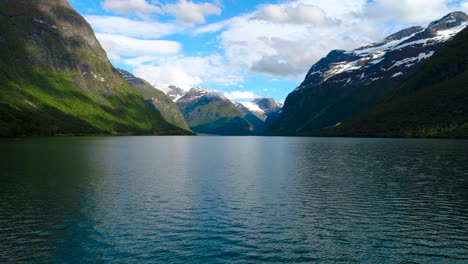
x: 55, y: 77
x: 344, y: 83
x: 261, y: 112
x: 432, y: 103
x: 159, y: 100
x: 208, y: 112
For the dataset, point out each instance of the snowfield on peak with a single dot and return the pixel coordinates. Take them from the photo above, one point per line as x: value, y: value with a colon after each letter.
x: 252, y: 107
x: 397, y: 53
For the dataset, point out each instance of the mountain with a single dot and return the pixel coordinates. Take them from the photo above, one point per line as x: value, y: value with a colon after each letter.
x: 261, y: 112
x: 55, y: 77
x: 432, y: 103
x: 174, y: 92
x: 345, y: 83
x: 209, y: 112
x: 159, y: 100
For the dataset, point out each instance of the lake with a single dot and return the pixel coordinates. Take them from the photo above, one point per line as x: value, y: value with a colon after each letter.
x: 233, y: 200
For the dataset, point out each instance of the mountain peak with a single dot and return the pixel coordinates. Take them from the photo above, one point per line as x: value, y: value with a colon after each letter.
x: 393, y: 57
x: 403, y: 33
x: 449, y: 21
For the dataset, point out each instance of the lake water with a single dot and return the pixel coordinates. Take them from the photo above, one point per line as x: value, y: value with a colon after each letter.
x: 233, y: 200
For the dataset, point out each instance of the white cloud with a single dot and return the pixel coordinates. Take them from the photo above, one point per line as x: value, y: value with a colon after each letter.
x: 167, y: 75
x: 138, y: 7
x: 185, y: 12
x: 464, y: 6
x: 289, y: 48
x: 131, y: 28
x: 189, y: 13
x: 408, y: 11
x: 278, y: 40
x: 119, y: 46
x: 185, y: 72
x: 241, y: 95
x: 299, y: 14
x: 212, y: 28
x: 284, y: 40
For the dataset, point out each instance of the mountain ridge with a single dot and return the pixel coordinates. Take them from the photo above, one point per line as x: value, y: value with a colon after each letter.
x: 210, y: 112
x: 158, y: 99
x: 344, y: 83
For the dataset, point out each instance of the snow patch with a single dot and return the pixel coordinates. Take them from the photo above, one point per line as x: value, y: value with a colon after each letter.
x: 39, y: 21
x: 341, y: 67
x: 449, y: 33
x: 252, y: 107
x: 397, y: 74
x: 98, y: 77
x: 421, y: 56
x: 315, y: 72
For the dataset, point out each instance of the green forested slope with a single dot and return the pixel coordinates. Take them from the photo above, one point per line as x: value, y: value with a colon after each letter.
x: 55, y: 77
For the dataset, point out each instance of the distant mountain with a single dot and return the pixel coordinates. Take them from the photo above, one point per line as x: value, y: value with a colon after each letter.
x: 261, y: 112
x: 174, y: 92
x: 209, y: 112
x: 432, y: 103
x: 159, y: 100
x: 55, y: 77
x: 344, y: 83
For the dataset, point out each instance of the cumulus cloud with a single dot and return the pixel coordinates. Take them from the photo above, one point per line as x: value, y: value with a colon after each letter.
x: 299, y: 14
x: 185, y: 72
x: 407, y: 11
x: 288, y: 49
x: 131, y: 28
x: 167, y: 75
x: 241, y: 95
x: 119, y: 46
x: 278, y: 40
x: 189, y: 13
x: 138, y: 7
x: 284, y: 40
x: 185, y: 12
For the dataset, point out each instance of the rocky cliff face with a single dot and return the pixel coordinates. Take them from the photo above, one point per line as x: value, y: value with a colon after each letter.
x: 56, y: 78
x: 344, y: 83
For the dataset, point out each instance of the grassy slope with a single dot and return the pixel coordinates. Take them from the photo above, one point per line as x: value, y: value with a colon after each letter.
x: 42, y: 91
x: 433, y: 103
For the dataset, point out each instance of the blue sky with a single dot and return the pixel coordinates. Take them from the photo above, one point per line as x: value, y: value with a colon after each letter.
x: 245, y: 49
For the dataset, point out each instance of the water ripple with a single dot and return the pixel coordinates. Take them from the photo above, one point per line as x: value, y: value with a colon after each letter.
x: 233, y: 200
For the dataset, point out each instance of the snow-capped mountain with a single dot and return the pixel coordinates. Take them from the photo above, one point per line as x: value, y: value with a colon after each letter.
x: 260, y: 112
x: 210, y: 112
x: 342, y: 85
x: 196, y: 94
x: 174, y: 92
x: 391, y: 58
x: 261, y: 107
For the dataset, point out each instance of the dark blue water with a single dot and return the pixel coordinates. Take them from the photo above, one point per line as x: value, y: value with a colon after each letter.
x: 233, y: 200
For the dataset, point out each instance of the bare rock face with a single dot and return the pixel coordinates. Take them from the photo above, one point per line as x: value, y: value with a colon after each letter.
x: 59, y: 38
